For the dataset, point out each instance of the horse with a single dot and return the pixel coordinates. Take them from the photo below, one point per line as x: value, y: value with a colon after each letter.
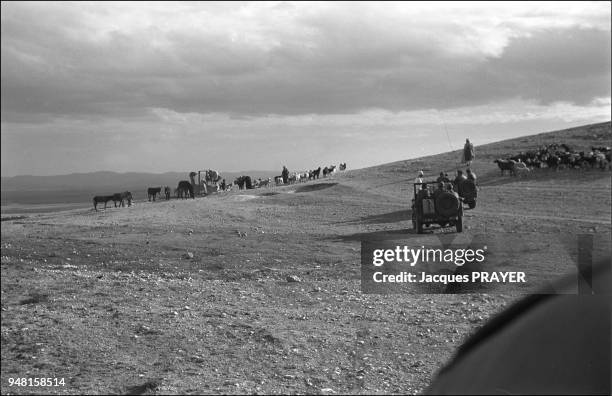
x: 102, y: 198
x: 343, y: 166
x: 126, y: 196
x: 167, y: 193
x: 153, y: 191
x: 122, y: 197
x: 185, y: 188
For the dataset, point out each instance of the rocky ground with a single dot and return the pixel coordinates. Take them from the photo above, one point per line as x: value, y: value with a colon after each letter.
x: 259, y: 291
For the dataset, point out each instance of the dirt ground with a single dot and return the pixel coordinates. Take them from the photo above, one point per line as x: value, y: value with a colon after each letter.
x: 193, y: 296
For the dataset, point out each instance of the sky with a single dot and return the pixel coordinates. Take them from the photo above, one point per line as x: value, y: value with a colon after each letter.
x: 158, y: 87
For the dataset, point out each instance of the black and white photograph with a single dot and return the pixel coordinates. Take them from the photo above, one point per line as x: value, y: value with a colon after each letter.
x: 326, y: 198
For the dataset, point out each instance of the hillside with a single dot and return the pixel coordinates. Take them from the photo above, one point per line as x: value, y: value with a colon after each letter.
x: 112, y: 181
x: 259, y: 291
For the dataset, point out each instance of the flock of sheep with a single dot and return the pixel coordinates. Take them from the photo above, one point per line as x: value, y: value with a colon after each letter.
x: 556, y: 156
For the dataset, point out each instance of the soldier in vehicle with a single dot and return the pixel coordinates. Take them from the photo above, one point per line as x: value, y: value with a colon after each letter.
x: 441, y: 187
x: 443, y: 178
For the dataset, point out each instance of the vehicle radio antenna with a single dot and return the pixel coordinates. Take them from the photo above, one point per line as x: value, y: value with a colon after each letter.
x: 447, y: 136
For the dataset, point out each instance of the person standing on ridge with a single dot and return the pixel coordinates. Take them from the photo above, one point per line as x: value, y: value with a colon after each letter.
x: 468, y: 153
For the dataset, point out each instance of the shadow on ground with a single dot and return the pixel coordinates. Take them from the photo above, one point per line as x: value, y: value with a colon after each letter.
x: 374, y: 236
x: 314, y: 187
x: 391, y: 234
x: 385, y: 218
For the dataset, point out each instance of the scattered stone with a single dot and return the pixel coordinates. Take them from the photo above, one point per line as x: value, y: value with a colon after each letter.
x: 293, y: 278
x: 188, y: 256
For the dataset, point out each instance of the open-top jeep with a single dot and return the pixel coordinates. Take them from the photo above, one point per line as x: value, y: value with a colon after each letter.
x: 436, y: 203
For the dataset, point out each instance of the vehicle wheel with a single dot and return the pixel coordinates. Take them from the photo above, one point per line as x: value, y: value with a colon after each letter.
x: 447, y: 204
x: 459, y: 224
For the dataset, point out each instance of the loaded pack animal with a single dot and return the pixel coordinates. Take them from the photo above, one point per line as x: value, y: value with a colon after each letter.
x: 342, y: 166
x: 167, y: 193
x: 152, y: 192
x: 278, y: 180
x: 316, y: 173
x: 212, y: 176
x: 185, y: 189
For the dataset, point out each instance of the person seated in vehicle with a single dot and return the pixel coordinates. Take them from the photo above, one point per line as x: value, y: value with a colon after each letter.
x: 423, y: 192
x: 443, y: 178
x: 440, y: 189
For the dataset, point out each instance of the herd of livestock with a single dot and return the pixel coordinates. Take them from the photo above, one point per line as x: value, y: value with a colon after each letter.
x: 556, y: 156
x: 213, y: 182
x: 553, y: 156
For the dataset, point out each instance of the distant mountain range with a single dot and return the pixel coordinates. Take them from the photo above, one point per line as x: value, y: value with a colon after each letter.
x: 110, y: 181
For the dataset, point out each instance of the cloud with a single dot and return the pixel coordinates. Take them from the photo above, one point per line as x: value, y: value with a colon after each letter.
x: 267, y: 58
x: 110, y: 85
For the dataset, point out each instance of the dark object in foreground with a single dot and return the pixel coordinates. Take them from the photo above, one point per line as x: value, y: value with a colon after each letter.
x: 544, y: 344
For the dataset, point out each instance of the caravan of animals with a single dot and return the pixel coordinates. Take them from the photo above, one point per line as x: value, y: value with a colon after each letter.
x: 211, y: 181
x: 554, y: 156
